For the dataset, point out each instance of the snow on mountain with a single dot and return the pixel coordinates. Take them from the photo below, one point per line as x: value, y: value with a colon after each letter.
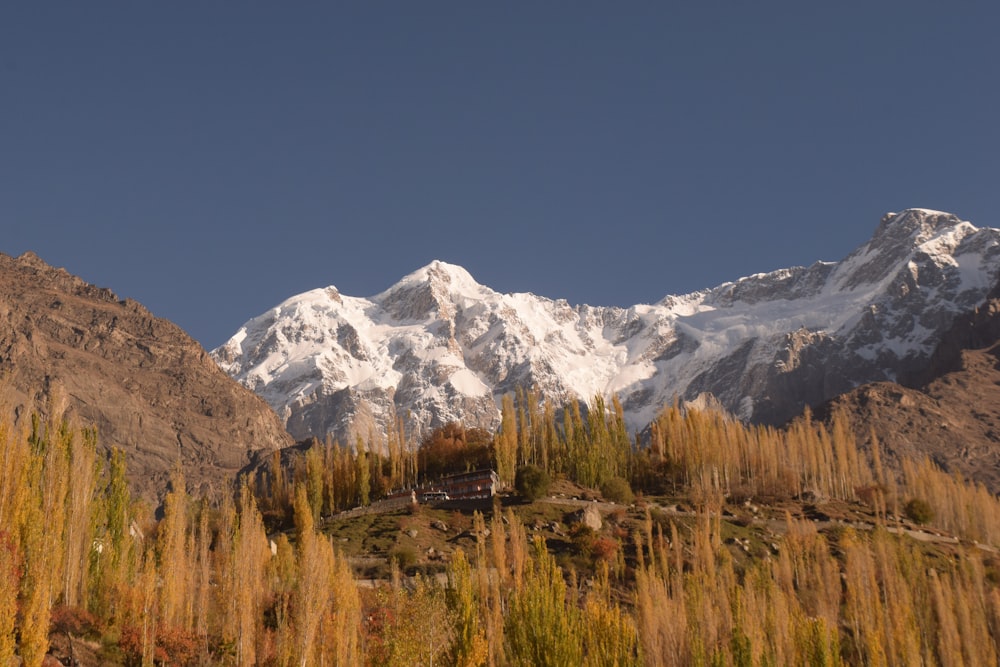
x: 437, y: 346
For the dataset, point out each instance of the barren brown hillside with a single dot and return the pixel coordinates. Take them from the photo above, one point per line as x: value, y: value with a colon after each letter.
x: 147, y: 386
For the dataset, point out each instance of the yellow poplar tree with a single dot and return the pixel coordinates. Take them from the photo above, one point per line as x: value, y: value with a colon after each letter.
x: 505, y: 442
x: 542, y: 630
x: 249, y: 562
x: 312, y: 594
x: 469, y: 648
x: 340, y: 638
x: 10, y: 565
x: 363, y: 473
x: 80, y: 517
x: 173, y: 552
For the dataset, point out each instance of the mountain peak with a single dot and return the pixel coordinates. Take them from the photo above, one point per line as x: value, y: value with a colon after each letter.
x: 30, y: 258
x: 915, y: 220
x: 901, y: 238
x: 431, y: 291
x: 440, y: 274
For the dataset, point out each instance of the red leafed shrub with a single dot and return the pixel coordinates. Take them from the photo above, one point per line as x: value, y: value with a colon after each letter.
x: 174, y: 646
x: 74, y: 621
x: 604, y: 548
x: 379, y: 617
x: 130, y: 642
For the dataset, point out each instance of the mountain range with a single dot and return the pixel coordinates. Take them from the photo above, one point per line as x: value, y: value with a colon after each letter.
x: 437, y: 346
x: 903, y: 334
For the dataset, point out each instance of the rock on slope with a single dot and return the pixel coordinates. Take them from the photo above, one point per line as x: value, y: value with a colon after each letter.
x: 148, y: 387
x: 438, y: 346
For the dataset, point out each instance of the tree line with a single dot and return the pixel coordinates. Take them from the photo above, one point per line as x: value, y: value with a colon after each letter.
x: 205, y: 583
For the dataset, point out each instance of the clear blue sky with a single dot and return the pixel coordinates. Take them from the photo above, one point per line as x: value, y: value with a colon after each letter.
x: 210, y: 159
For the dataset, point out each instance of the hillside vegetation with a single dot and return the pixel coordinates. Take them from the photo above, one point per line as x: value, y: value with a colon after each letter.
x: 744, y: 546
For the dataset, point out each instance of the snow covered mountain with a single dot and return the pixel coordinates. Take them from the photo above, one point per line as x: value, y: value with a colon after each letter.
x: 438, y: 346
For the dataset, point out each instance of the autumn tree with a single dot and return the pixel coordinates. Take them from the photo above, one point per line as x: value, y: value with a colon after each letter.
x: 113, y: 565
x: 542, y: 630
x: 414, y: 625
x: 315, y: 479
x: 505, y: 442
x: 41, y: 531
x: 469, y: 647
x: 174, y: 554
x: 340, y: 641
x: 611, y: 636
x: 312, y: 594
x: 248, y: 572
x: 10, y: 575
x: 363, y: 473
x: 81, y: 515
x: 452, y: 448
x: 14, y: 458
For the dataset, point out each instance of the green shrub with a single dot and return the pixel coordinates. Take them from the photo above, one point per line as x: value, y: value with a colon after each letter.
x: 918, y: 511
x: 405, y: 557
x: 531, y: 482
x: 617, y: 490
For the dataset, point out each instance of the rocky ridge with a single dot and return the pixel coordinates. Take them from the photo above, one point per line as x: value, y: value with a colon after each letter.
x: 949, y: 412
x: 438, y: 346
x: 69, y: 347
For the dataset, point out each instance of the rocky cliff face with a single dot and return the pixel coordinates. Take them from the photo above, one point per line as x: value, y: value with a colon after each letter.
x: 438, y: 346
x: 148, y: 387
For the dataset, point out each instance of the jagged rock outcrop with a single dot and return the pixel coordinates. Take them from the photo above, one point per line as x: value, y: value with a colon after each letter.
x: 438, y: 346
x: 148, y: 387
